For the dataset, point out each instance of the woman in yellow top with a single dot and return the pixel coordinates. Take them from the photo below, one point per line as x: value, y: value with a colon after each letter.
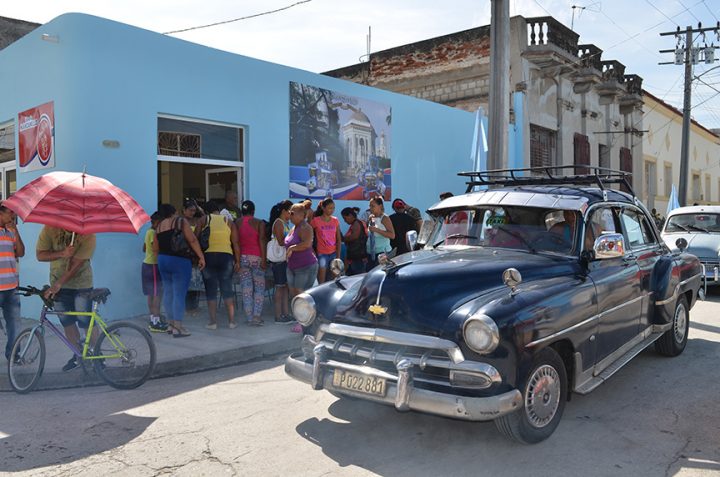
x: 222, y: 258
x: 151, y: 281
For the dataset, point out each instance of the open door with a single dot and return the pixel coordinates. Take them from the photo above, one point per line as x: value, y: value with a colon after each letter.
x: 218, y: 181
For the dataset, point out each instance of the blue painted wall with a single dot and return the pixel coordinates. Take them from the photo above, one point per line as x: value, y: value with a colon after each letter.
x: 110, y: 81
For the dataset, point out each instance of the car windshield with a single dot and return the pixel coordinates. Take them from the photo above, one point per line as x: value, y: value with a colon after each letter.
x: 700, y: 222
x: 526, y: 228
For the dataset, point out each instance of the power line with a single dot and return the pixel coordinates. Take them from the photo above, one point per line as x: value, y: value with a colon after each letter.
x: 689, y: 11
x: 237, y: 19
x: 711, y: 12
x: 661, y: 12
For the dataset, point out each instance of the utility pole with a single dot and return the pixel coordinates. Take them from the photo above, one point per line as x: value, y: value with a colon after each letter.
x: 689, y: 56
x: 499, y: 118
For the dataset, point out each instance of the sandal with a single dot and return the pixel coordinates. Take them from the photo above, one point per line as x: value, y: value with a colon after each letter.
x: 256, y: 322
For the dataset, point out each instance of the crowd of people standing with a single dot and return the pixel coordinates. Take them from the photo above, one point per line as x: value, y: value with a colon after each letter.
x: 223, y: 244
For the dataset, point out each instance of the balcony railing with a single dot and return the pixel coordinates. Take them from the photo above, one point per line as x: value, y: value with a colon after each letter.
x: 544, y: 31
x: 590, y: 56
x: 613, y: 70
x: 633, y: 84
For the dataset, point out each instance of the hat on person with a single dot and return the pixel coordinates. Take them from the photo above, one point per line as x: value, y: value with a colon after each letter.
x: 399, y: 204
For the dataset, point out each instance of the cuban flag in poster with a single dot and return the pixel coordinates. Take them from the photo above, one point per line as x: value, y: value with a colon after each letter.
x: 36, y: 138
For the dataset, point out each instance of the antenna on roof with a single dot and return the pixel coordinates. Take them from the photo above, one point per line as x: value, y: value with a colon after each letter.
x: 368, y: 39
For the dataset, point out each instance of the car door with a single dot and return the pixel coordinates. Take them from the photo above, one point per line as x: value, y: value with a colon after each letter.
x: 617, y: 285
x: 645, y: 247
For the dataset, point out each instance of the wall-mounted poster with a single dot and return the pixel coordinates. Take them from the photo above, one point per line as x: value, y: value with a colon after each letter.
x: 36, y: 138
x: 339, y: 145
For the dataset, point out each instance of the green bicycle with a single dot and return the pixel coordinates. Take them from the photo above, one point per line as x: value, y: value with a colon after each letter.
x: 123, y: 356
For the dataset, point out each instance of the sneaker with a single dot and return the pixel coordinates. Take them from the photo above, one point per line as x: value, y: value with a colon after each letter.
x: 211, y: 326
x: 232, y: 325
x: 158, y: 327
x: 71, y: 364
x: 284, y: 320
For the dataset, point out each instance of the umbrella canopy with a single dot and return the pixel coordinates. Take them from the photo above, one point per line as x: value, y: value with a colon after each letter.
x: 77, y: 202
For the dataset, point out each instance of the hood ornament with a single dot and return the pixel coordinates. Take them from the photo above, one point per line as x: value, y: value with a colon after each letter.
x: 377, y: 310
x: 512, y: 278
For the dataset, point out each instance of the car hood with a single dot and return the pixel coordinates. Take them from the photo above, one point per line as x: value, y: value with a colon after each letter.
x: 420, y: 293
x: 701, y: 244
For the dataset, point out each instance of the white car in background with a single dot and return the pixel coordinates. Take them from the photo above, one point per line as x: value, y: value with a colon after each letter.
x: 700, y: 226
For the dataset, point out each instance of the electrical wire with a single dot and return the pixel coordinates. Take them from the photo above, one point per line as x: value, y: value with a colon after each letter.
x: 689, y: 11
x: 238, y: 19
x: 711, y: 12
x: 661, y: 12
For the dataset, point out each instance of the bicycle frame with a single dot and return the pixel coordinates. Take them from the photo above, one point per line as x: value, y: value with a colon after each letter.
x: 94, y: 318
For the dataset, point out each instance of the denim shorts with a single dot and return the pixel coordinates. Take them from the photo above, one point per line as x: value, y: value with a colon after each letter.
x: 279, y: 271
x: 302, y: 278
x: 325, y: 259
x: 68, y: 299
x: 218, y: 273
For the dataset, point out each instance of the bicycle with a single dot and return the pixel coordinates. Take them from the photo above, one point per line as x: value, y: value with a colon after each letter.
x: 123, y: 356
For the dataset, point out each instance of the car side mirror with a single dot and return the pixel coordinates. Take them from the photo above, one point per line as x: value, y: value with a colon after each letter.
x: 609, y: 245
x: 411, y: 238
x: 681, y: 244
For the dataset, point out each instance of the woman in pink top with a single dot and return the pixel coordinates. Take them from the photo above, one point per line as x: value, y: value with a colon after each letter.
x: 251, y: 236
x: 329, y: 239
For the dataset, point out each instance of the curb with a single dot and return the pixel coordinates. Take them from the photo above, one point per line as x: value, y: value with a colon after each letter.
x: 177, y: 367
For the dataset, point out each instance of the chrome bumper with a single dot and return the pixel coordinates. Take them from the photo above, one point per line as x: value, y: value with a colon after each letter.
x: 400, y: 390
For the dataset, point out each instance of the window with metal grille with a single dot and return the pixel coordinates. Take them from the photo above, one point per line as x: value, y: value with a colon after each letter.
x: 626, y: 166
x: 179, y: 144
x: 581, y: 147
x: 603, y: 156
x: 542, y: 146
x: 198, y: 139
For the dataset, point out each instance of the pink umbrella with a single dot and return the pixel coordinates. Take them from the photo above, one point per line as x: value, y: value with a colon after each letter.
x: 77, y: 202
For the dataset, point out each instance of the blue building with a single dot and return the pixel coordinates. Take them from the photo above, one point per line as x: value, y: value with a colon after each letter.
x: 166, y: 119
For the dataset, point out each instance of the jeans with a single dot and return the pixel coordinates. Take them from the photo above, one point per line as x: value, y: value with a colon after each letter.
x: 69, y: 299
x: 10, y: 304
x: 175, y: 273
x: 302, y: 278
x: 218, y: 272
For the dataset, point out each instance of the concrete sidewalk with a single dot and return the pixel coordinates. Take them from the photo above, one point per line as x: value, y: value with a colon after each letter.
x: 204, y: 350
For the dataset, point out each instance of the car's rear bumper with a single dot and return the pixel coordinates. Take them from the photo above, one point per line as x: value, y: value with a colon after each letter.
x: 401, y: 393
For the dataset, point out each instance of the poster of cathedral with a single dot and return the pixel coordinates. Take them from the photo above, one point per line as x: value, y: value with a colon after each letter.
x: 339, y: 145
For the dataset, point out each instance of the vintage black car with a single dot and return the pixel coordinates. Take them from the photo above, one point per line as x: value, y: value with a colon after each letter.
x: 524, y: 293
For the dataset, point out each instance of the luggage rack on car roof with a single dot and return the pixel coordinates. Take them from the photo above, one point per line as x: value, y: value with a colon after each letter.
x: 599, y: 176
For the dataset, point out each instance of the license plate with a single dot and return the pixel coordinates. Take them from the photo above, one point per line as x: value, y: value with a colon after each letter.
x: 359, y: 382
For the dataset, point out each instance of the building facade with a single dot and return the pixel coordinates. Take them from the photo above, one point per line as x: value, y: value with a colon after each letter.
x: 124, y: 111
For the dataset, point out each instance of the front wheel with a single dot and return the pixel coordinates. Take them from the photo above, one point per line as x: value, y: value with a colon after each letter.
x: 674, y: 340
x: 544, y: 397
x: 124, y: 357
x: 27, y: 360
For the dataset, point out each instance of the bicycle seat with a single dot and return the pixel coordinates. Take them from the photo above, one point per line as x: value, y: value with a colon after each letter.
x: 99, y: 295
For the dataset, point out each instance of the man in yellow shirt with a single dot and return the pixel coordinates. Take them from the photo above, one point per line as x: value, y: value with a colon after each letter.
x: 71, y: 277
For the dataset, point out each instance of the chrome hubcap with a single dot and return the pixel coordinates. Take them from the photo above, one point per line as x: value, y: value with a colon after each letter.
x: 680, y: 323
x: 542, y: 396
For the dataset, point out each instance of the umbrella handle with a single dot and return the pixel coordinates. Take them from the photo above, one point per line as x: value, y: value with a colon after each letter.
x: 72, y: 239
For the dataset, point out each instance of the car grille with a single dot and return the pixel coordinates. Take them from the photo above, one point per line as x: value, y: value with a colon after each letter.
x: 431, y: 366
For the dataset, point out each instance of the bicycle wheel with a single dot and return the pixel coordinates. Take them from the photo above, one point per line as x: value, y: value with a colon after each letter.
x: 27, y: 361
x: 128, y: 357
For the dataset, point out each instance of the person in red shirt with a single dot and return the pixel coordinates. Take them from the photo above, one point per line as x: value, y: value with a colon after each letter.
x: 329, y: 240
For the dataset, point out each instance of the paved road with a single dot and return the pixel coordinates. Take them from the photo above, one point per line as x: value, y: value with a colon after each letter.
x: 657, y: 416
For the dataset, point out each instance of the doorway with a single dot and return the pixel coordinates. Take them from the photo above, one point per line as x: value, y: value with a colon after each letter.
x: 178, y: 181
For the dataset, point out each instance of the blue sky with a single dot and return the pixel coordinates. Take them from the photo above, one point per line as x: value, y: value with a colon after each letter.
x: 325, y: 34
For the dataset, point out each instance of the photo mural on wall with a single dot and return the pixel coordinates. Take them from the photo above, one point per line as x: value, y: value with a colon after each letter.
x: 339, y: 145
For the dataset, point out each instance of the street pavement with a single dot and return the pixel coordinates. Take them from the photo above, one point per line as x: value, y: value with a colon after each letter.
x: 656, y: 417
x: 204, y: 350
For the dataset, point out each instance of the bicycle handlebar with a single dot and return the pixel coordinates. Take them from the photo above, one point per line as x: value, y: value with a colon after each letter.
x: 31, y: 290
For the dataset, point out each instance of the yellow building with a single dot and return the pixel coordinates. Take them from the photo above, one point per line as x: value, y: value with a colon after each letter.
x: 661, y: 157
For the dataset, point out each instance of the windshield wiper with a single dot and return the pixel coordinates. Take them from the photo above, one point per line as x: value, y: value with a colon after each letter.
x: 695, y: 227
x: 455, y: 236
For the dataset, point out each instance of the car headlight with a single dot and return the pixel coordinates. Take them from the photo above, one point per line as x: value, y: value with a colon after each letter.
x: 303, y: 308
x: 481, y: 333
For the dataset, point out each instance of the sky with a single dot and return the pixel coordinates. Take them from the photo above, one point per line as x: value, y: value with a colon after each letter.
x: 321, y: 35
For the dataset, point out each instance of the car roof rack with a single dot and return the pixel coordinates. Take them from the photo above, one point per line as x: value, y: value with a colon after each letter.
x: 550, y: 175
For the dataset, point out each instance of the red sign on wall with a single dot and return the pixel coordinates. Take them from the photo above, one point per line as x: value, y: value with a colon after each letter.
x: 36, y: 138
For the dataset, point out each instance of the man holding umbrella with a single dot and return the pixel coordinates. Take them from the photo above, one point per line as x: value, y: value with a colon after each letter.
x: 11, y: 248
x: 71, y: 278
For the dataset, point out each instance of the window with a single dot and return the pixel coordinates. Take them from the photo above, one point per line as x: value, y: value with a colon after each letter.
x: 696, y: 192
x: 626, y: 165
x: 581, y: 147
x: 8, y: 174
x: 650, y: 184
x: 201, y: 140
x: 542, y: 146
x: 636, y: 229
x: 604, y: 156
x: 668, y: 179
x: 706, y: 192
x: 601, y: 221
x: 7, y: 142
